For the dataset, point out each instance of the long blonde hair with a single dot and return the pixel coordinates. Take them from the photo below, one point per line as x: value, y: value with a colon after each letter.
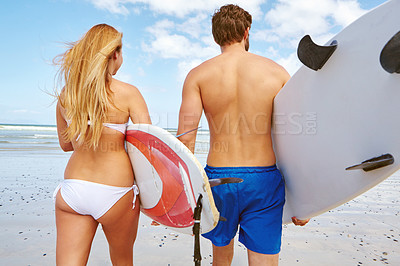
x: 86, y: 95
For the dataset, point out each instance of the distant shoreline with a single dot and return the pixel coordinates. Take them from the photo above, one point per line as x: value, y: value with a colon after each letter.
x: 54, y: 126
x: 27, y: 125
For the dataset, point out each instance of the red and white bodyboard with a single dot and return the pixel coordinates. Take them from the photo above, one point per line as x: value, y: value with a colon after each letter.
x: 170, y: 179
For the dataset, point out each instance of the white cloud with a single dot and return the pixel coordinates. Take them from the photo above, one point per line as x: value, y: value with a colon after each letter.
x: 141, y: 72
x: 20, y: 111
x: 186, y: 34
x: 179, y: 8
x: 113, y: 6
x: 195, y: 26
x: 289, y: 20
x: 185, y: 66
x: 125, y: 77
x: 23, y: 111
x: 290, y: 63
x: 167, y: 42
x: 347, y: 12
x: 171, y: 46
x: 190, y: 42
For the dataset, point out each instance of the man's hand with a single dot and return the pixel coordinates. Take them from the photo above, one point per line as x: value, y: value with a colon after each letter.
x: 299, y: 222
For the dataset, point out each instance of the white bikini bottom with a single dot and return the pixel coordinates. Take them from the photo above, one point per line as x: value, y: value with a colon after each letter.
x: 89, y: 198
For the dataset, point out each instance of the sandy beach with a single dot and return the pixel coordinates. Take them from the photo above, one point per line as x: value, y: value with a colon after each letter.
x: 365, y: 231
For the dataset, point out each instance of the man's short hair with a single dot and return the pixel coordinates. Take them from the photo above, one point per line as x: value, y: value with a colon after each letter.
x: 229, y: 24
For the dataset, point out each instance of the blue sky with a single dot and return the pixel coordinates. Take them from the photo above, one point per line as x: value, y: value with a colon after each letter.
x: 162, y: 41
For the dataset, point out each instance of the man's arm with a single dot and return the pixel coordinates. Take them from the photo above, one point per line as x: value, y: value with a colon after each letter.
x: 284, y: 76
x: 190, y: 111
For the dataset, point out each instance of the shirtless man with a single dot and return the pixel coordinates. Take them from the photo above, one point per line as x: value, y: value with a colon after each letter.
x: 236, y: 90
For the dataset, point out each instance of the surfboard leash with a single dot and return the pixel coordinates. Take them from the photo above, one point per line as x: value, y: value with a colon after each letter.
x: 196, y: 231
x: 184, y: 133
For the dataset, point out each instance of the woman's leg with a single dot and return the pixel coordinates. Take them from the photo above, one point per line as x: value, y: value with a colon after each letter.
x: 75, y: 234
x: 120, y: 225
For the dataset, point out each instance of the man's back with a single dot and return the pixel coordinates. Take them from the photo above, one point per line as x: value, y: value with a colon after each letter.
x: 237, y: 89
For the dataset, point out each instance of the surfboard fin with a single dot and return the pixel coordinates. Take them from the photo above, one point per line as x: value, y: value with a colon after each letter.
x: 225, y: 180
x: 390, y: 55
x: 312, y: 55
x: 374, y: 163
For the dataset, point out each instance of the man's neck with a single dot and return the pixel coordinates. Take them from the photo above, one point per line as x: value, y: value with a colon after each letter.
x: 235, y: 47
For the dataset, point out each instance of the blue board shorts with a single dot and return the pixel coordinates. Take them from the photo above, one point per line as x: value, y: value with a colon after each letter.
x: 256, y: 205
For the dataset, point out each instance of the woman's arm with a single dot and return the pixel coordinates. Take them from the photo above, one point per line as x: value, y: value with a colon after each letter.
x: 138, y: 111
x: 61, y: 127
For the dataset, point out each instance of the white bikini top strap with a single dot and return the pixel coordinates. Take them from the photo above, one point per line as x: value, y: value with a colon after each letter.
x: 119, y: 127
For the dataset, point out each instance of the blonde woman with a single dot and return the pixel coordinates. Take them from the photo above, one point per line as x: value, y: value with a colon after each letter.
x: 93, y: 110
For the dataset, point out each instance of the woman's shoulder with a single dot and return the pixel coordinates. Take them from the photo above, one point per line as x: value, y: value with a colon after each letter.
x: 124, y: 89
x: 120, y: 85
x: 125, y: 93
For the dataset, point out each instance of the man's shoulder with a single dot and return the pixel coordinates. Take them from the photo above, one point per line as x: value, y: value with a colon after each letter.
x: 210, y: 62
x: 263, y: 64
x: 263, y: 60
x: 207, y: 66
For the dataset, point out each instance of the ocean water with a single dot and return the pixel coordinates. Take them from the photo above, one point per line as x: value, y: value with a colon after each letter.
x: 43, y: 140
x: 28, y: 139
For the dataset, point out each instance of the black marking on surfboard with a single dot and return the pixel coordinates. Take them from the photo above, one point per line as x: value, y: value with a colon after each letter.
x: 225, y: 180
x: 312, y: 55
x: 374, y: 163
x: 196, y: 230
x: 390, y: 55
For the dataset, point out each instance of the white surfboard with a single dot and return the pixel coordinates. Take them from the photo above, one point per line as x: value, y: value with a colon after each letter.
x: 170, y: 179
x: 341, y: 115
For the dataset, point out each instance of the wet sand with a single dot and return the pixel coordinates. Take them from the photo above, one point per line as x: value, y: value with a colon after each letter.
x: 365, y: 231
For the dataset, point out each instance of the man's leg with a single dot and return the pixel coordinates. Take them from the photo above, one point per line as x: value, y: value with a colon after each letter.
x: 258, y: 259
x: 222, y: 256
x: 261, y: 225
